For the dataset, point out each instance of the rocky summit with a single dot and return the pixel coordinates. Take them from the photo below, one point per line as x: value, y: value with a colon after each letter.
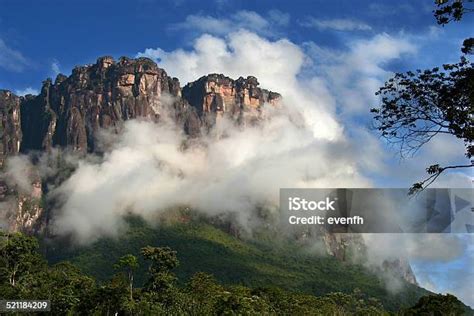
x: 216, y: 95
x: 69, y: 111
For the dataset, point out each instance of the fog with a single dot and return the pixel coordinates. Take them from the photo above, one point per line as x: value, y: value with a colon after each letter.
x: 233, y: 169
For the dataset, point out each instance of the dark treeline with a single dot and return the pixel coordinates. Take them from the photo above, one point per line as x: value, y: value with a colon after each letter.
x: 25, y: 274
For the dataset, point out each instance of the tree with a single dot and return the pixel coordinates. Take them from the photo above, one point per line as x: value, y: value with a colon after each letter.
x: 163, y: 260
x: 436, y: 305
x: 239, y: 300
x: 129, y: 263
x: 24, y: 274
x: 204, y: 292
x: 454, y: 10
x: 64, y: 284
x: 19, y: 258
x: 417, y: 106
x: 451, y: 10
x: 110, y: 298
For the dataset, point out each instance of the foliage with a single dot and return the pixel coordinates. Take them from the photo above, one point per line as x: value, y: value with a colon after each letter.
x: 438, y: 304
x: 418, y: 105
x: 129, y: 263
x: 73, y: 293
x: 202, y: 247
x: 18, y: 260
x: 163, y: 260
x: 25, y: 275
x: 451, y: 10
x: 454, y: 10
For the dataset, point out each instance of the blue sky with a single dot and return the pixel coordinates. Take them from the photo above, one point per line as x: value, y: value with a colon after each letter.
x: 76, y: 32
x: 346, y: 48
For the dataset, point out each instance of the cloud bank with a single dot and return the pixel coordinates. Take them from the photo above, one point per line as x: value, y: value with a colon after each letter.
x: 301, y: 144
x: 231, y: 170
x: 244, y: 53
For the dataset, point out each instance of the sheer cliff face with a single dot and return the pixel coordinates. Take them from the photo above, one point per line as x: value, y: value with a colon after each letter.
x: 10, y: 125
x: 71, y: 110
x: 216, y: 95
x: 21, y: 211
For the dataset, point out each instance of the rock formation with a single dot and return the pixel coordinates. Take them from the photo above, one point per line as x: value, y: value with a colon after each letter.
x: 22, y: 211
x: 69, y: 111
x: 10, y: 125
x: 216, y: 95
x: 400, y: 267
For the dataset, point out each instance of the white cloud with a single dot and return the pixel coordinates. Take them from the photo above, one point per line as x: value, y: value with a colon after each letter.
x: 244, y: 53
x: 218, y: 175
x: 250, y: 19
x: 144, y: 175
x: 204, y: 23
x: 335, y: 24
x: 455, y: 276
x: 28, y: 90
x: 55, y: 67
x: 443, y: 150
x: 11, y: 59
x: 18, y: 173
x: 243, y: 19
x: 300, y: 144
x: 355, y: 74
x: 441, y: 262
x: 345, y: 80
x: 279, y: 17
